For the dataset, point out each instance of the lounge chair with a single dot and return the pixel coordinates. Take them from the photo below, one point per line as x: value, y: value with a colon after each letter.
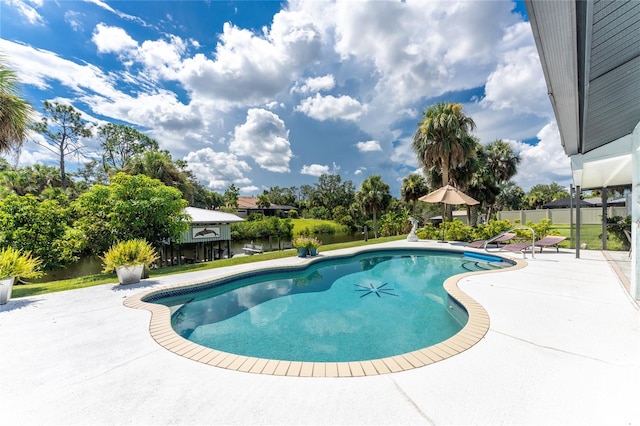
x: 516, y: 247
x: 550, y: 241
x: 501, y: 239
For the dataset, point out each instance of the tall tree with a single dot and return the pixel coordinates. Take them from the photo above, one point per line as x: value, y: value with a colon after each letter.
x: 510, y: 196
x: 443, y: 140
x: 374, y: 197
x: 501, y: 160
x: 159, y: 165
x: 205, y: 198
x: 263, y: 202
x: 230, y: 197
x: 91, y: 173
x: 282, y: 196
x: 63, y: 129
x: 130, y: 207
x: 15, y: 112
x: 543, y: 193
x: 414, y: 186
x: 40, y: 226
x: 121, y: 143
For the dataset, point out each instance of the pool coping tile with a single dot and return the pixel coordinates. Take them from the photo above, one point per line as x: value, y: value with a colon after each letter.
x: 473, y: 331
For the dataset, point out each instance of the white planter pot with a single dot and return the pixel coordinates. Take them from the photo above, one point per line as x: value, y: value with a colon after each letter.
x: 6, y: 285
x: 129, y: 274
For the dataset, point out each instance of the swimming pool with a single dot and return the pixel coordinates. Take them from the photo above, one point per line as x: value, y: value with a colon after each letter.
x: 372, y: 305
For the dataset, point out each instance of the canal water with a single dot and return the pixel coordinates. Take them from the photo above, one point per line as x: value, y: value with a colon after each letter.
x: 93, y: 265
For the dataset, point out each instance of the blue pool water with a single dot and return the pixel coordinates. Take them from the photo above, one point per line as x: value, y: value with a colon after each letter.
x: 372, y: 305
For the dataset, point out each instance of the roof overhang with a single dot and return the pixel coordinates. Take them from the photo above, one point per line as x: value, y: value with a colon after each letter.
x: 590, y: 56
x: 210, y: 216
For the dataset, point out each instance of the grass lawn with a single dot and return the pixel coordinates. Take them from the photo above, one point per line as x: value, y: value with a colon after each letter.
x: 24, y: 290
x: 589, y: 234
x: 300, y: 225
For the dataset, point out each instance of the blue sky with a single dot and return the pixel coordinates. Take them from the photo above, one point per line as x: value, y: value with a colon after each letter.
x: 265, y: 93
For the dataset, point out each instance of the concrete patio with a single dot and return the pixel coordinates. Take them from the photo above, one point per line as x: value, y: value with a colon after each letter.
x: 563, y: 348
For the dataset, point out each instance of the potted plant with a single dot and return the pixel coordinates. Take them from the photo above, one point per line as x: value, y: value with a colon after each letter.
x: 128, y: 259
x: 16, y: 265
x: 301, y: 244
x: 312, y: 245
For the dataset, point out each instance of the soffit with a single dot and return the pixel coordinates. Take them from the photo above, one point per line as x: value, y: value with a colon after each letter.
x: 553, y: 25
x: 590, y: 54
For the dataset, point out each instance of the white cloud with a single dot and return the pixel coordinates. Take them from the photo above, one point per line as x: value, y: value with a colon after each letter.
x: 27, y: 11
x: 442, y: 47
x: 331, y: 108
x: 403, y: 152
x: 518, y: 84
x: 112, y: 39
x: 37, y: 67
x: 264, y: 137
x: 161, y: 59
x: 369, y: 146
x: 545, y: 162
x: 74, y: 19
x: 251, y: 189
x: 315, y: 170
x: 116, y: 12
x: 316, y: 84
x: 34, y: 151
x: 376, y: 63
x: 253, y: 69
x: 218, y: 170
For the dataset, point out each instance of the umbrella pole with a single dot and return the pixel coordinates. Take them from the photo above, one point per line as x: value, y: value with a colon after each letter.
x: 444, y: 221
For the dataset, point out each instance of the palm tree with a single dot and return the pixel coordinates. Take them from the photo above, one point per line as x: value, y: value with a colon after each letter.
x: 510, y: 196
x: 263, y: 202
x: 414, y: 186
x: 502, y: 160
x: 15, y: 112
x: 159, y: 165
x: 374, y: 196
x: 442, y: 139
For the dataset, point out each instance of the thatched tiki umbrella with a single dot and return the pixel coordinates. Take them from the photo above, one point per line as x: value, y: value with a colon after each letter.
x: 448, y: 195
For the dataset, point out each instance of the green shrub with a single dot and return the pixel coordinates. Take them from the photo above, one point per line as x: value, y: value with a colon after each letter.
x: 429, y: 232
x: 262, y: 229
x: 306, y: 242
x: 324, y: 228
x: 616, y: 226
x: 319, y: 213
x: 458, y: 231
x: 19, y: 264
x: 493, y: 228
x: 129, y: 253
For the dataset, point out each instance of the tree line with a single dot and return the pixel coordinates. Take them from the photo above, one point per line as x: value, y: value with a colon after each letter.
x: 132, y: 189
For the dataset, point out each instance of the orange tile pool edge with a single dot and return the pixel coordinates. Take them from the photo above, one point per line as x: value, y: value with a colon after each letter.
x: 475, y: 329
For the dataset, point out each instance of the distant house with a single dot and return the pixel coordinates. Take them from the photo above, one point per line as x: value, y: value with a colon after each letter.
x: 616, y: 202
x: 248, y: 205
x: 564, y: 203
x: 460, y: 215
